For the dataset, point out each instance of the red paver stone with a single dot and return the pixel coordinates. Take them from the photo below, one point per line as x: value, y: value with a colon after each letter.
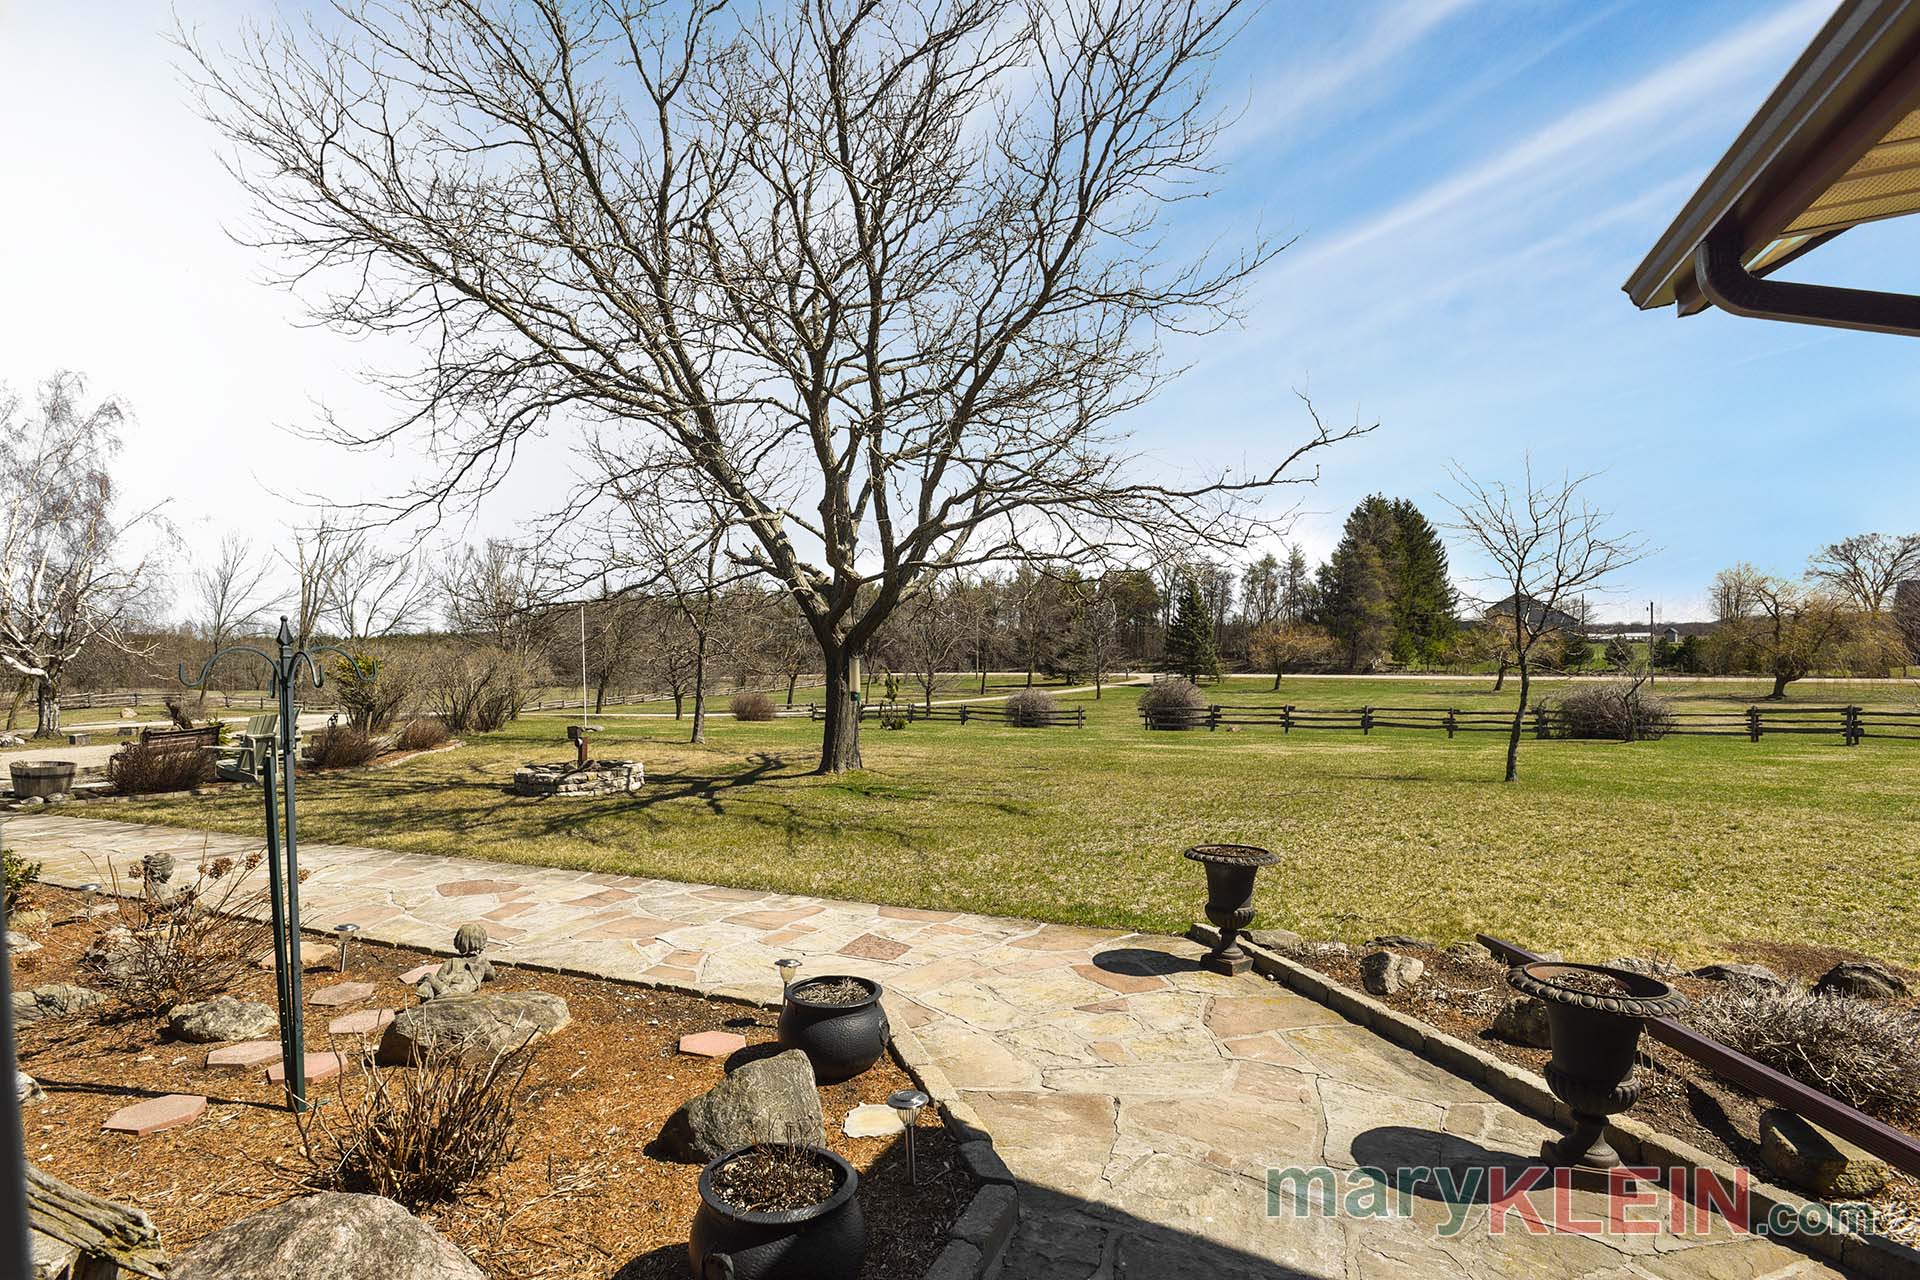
x: 245, y: 1055
x: 712, y: 1044
x: 604, y: 898
x: 632, y: 928
x: 418, y: 975
x: 363, y: 1023
x: 667, y: 973
x: 320, y: 1066
x: 915, y: 913
x: 1125, y: 983
x: 771, y: 919
x: 155, y: 1114
x: 871, y: 946
x: 474, y: 888
x: 341, y: 993
x: 510, y: 910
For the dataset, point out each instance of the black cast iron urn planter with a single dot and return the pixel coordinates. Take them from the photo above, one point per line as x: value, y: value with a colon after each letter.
x: 1594, y: 1016
x: 824, y: 1241
x: 1230, y: 872
x: 840, y: 1040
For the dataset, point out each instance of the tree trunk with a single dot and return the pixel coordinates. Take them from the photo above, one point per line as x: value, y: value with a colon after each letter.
x: 1098, y: 688
x: 1519, y: 721
x: 1500, y: 680
x: 1780, y: 683
x: 46, y: 701
x: 840, y: 744
x: 1276, y: 680
x: 700, y: 690
x: 679, y: 701
x: 19, y: 700
x: 793, y: 678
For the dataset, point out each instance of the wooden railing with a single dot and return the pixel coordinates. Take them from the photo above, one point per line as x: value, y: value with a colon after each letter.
x: 1851, y: 724
x: 965, y: 713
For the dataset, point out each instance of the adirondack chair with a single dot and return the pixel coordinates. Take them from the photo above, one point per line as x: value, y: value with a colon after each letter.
x: 241, y: 761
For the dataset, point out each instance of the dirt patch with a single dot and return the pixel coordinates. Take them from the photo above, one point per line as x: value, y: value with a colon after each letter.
x: 586, y: 1195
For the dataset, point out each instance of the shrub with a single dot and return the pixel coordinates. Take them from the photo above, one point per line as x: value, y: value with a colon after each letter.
x: 20, y: 877
x: 420, y: 1134
x: 139, y: 769
x: 893, y: 718
x: 479, y: 689
x: 1173, y: 704
x: 176, y: 946
x: 1859, y: 1051
x: 1620, y: 710
x: 423, y: 734
x: 341, y: 746
x: 1030, y: 709
x: 752, y: 706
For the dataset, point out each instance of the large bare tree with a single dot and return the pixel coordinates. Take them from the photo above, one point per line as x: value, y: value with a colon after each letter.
x: 71, y: 572
x: 1866, y: 568
x: 1545, y: 545
x: 232, y: 593
x: 886, y: 273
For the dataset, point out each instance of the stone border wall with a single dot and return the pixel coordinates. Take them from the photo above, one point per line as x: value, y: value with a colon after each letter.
x: 1638, y: 1143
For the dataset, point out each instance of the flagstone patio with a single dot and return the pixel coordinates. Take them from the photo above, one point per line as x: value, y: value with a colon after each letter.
x: 1138, y: 1100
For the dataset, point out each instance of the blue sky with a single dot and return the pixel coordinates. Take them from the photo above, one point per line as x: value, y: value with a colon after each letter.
x: 1469, y: 181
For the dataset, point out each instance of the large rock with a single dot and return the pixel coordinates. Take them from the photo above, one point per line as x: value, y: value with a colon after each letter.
x: 1387, y: 973
x: 769, y: 1100
x: 54, y: 1000
x: 1862, y: 979
x: 1753, y: 975
x: 332, y: 1236
x: 223, y: 1018
x: 1523, y: 1020
x: 481, y: 1025
x: 1819, y: 1163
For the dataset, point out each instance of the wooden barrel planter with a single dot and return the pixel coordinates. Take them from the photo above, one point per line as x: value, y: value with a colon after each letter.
x: 42, y: 778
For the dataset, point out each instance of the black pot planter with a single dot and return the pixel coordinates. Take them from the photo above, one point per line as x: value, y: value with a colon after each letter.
x: 826, y: 1241
x: 1230, y: 873
x: 840, y: 1040
x: 1595, y: 1038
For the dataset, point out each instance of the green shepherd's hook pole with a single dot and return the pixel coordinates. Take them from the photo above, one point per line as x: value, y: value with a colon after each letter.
x: 276, y: 778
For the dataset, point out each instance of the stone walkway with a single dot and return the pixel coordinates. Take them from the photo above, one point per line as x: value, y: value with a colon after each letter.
x: 1138, y: 1100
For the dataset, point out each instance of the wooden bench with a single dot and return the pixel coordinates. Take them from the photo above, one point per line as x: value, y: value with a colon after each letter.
x: 181, y: 739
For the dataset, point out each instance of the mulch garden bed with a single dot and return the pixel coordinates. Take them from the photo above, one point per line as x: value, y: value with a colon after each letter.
x: 1460, y: 994
x: 586, y: 1195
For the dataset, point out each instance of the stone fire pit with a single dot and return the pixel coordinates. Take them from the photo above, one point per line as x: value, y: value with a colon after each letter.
x: 595, y: 778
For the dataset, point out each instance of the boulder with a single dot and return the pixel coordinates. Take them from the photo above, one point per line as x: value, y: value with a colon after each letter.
x: 1652, y: 968
x: 1817, y: 1162
x: 1523, y: 1020
x: 223, y: 1018
x: 1402, y: 940
x: 1275, y: 939
x: 313, y: 955
x: 19, y: 944
x: 332, y: 1236
x: 1387, y: 973
x: 481, y: 1025
x: 54, y: 1000
x: 768, y: 1100
x: 26, y: 1089
x: 1862, y: 979
x: 1473, y: 953
x: 1754, y: 975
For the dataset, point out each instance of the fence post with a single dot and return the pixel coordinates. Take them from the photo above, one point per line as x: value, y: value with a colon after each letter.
x: 1079, y: 717
x: 1366, y: 720
x: 1213, y: 717
x: 1286, y: 718
x: 1753, y: 724
x: 1853, y: 729
x: 1451, y: 722
x: 963, y: 713
x: 1539, y: 722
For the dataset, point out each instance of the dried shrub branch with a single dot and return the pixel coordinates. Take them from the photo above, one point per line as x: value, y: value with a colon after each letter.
x: 418, y: 1134
x: 1859, y: 1051
x: 177, y: 946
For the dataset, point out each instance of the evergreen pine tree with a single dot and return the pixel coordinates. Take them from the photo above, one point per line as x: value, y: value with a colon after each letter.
x: 1190, y: 649
x: 1423, y: 596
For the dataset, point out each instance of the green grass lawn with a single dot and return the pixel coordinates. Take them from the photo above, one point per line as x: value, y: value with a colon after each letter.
x: 1674, y: 847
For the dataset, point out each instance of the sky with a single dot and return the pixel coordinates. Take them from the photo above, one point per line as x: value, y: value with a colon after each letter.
x: 1466, y: 183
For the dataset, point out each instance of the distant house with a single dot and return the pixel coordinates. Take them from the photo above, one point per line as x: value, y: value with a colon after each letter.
x: 1538, y: 617
x: 1671, y: 635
